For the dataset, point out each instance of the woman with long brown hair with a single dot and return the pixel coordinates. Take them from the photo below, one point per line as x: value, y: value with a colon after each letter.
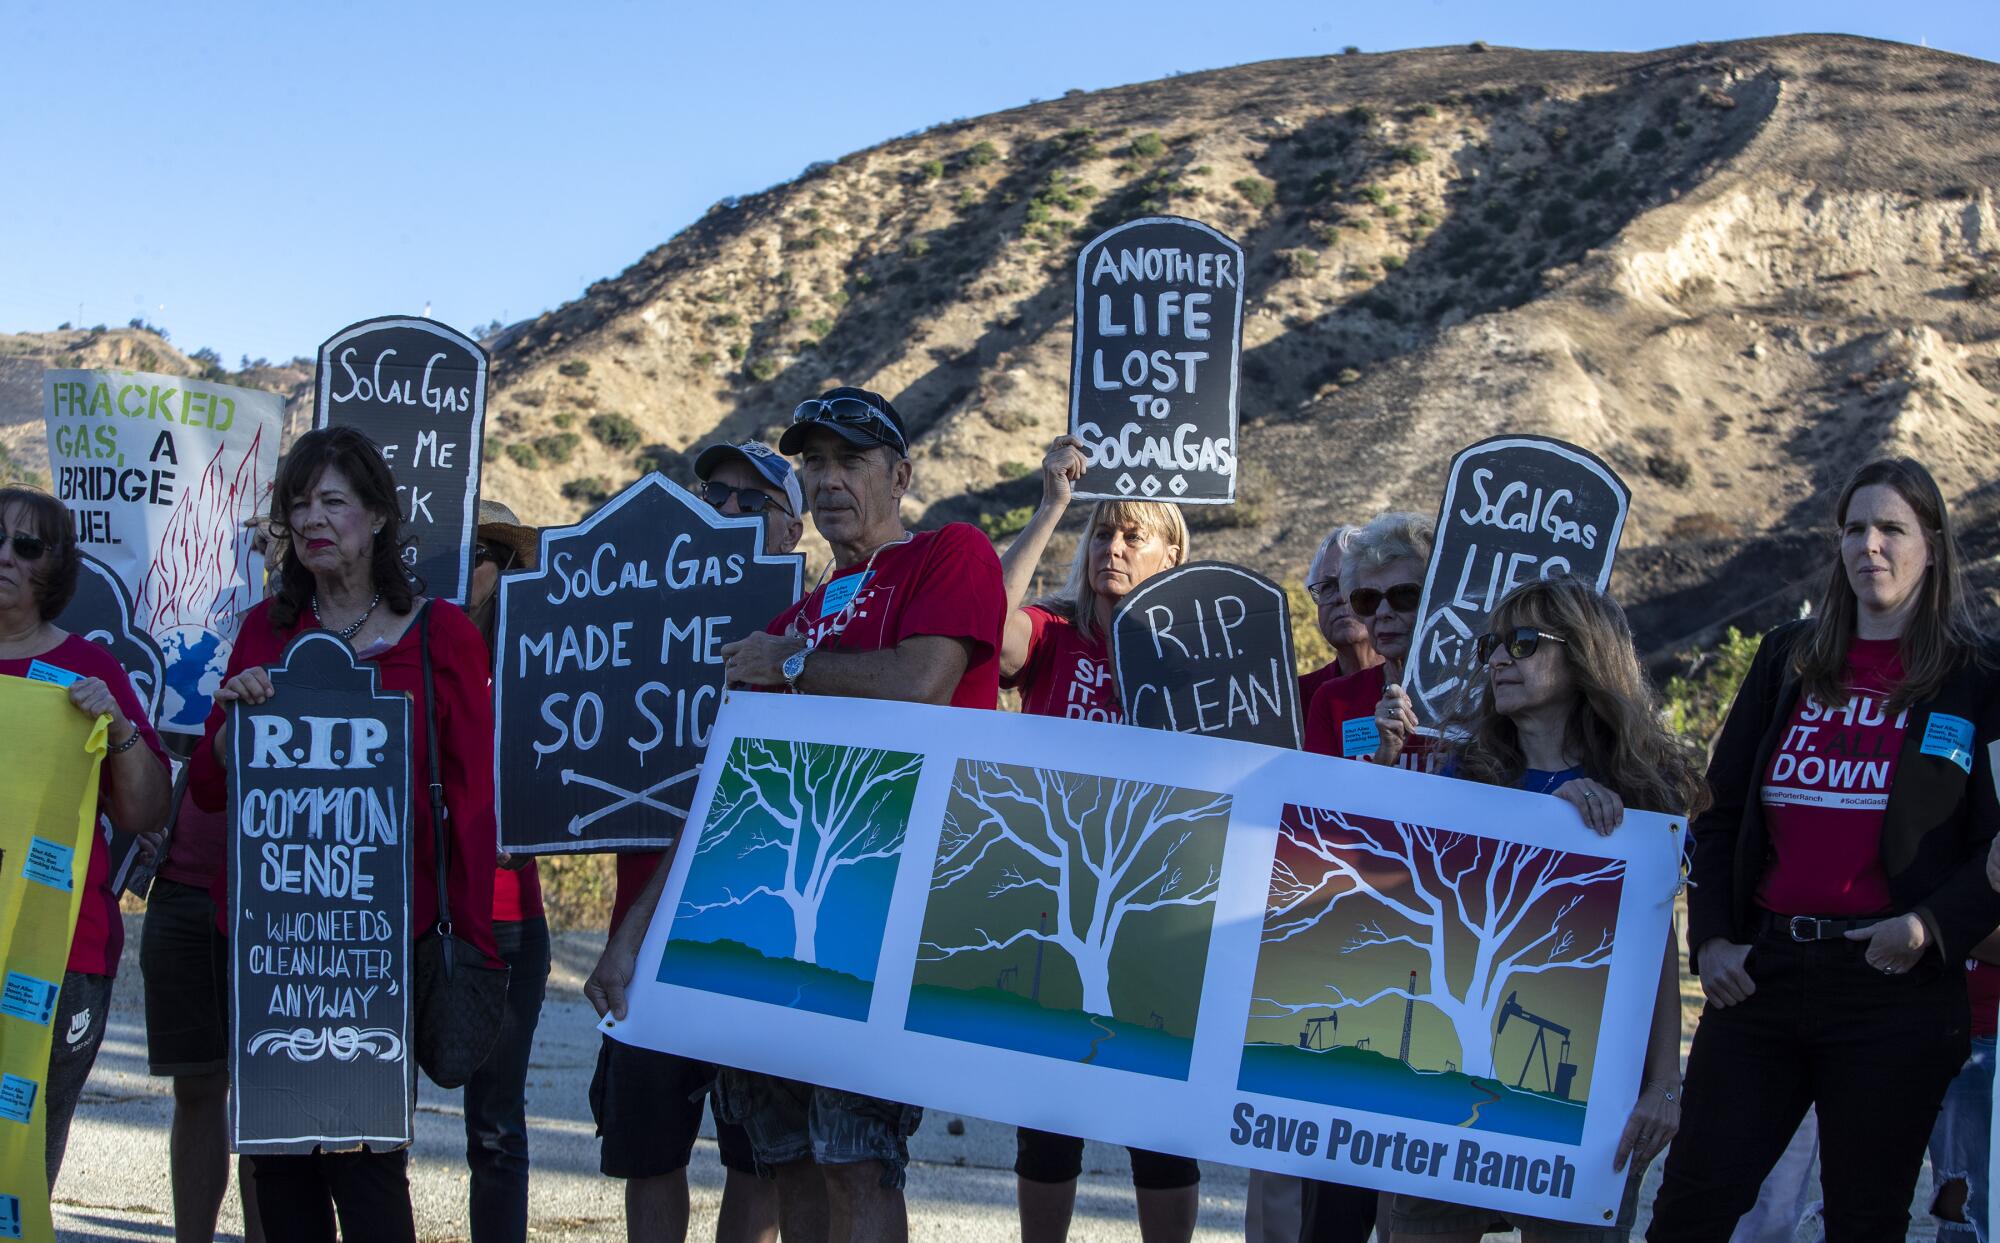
x: 1563, y: 708
x: 1839, y: 878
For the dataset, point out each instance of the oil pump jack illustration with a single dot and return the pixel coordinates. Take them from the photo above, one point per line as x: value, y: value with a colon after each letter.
x: 1558, y: 1083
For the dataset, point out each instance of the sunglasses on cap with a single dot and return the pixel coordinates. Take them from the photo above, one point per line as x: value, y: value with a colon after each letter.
x: 1403, y: 598
x: 1520, y: 643
x: 851, y: 412
x: 748, y: 500
x: 27, y: 547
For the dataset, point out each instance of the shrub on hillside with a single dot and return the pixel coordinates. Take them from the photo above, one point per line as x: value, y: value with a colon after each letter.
x: 981, y: 153
x: 591, y: 489
x: 614, y: 431
x: 1147, y: 146
x: 1255, y: 190
x: 1374, y: 194
x: 523, y: 456
x: 1697, y: 702
x: 1409, y: 153
x: 761, y: 369
x: 575, y: 368
x: 1669, y: 468
x: 558, y: 447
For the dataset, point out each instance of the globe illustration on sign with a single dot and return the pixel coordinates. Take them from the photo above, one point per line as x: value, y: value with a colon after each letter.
x: 196, y: 659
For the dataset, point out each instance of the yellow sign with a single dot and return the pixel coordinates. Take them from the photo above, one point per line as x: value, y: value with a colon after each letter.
x: 48, y: 808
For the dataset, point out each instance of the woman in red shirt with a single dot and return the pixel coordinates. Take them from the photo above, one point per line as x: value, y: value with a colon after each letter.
x: 1056, y: 653
x: 343, y: 572
x: 1838, y: 880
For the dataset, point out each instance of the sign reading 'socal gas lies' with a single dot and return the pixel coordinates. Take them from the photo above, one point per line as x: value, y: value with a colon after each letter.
x: 1158, y: 345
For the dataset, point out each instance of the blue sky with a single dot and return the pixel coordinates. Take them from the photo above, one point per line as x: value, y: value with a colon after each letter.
x: 255, y: 177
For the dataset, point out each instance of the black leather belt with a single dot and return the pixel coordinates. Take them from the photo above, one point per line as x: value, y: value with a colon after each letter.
x: 1812, y: 928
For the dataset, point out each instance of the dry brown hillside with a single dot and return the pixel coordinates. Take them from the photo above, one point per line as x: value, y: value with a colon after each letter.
x: 1731, y: 269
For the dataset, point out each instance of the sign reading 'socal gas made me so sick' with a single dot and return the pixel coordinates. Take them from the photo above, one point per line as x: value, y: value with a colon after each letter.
x: 1516, y: 509
x: 319, y: 792
x: 160, y: 473
x: 1158, y: 346
x: 418, y: 389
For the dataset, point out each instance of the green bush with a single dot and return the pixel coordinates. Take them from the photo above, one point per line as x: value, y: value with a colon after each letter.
x: 705, y: 359
x: 558, y: 447
x: 819, y: 327
x: 737, y: 351
x: 524, y: 456
x: 930, y: 170
x: 1374, y: 194
x: 614, y: 431
x: 574, y: 368
x: 1391, y: 210
x: 1309, y: 647
x: 1393, y: 263
x: 918, y: 247
x: 564, y: 421
x: 761, y: 369
x: 1697, y: 703
x: 1255, y: 190
x: 728, y: 319
x: 1409, y: 153
x: 1983, y: 285
x: 590, y: 489
x: 980, y: 154
x: 1348, y: 375
x: 1360, y: 114
x: 1424, y: 220
x: 1299, y: 261
x: 1148, y: 146
x: 1014, y: 470
x: 1000, y: 526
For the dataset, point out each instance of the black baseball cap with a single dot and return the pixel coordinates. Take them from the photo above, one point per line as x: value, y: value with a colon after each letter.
x: 859, y: 416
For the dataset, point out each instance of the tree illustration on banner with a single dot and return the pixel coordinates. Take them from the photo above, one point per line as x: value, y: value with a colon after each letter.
x: 789, y: 888
x: 1069, y: 916
x: 1436, y: 975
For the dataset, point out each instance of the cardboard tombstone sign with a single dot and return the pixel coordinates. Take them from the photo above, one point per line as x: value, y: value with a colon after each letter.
x: 1207, y: 649
x: 1516, y: 508
x: 609, y: 667
x: 101, y: 611
x: 319, y: 887
x: 418, y: 389
x: 1158, y: 347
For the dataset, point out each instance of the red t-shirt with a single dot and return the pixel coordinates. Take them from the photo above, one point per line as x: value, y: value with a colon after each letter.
x: 1066, y: 674
x: 195, y: 852
x: 1827, y: 790
x: 1982, y: 990
x: 100, y: 934
x: 465, y: 762
x: 517, y: 894
x: 634, y: 870
x: 1341, y: 721
x: 1309, y: 683
x: 943, y: 582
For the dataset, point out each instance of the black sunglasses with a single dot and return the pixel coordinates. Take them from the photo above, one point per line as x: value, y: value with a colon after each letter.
x: 749, y: 500
x: 853, y: 412
x: 502, y: 556
x: 1403, y: 597
x: 27, y: 547
x: 1520, y: 643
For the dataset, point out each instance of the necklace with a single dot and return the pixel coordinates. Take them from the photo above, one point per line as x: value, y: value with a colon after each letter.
x: 359, y: 622
x: 838, y: 626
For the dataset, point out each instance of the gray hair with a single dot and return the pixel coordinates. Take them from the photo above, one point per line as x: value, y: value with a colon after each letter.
x: 1387, y: 537
x: 1339, y: 540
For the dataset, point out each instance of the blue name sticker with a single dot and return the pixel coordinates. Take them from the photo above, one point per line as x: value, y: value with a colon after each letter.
x: 49, y: 864
x: 1950, y: 737
x: 25, y: 997
x: 10, y: 1217
x: 1359, y: 736
x: 17, y: 1098
x: 841, y: 591
x: 41, y: 671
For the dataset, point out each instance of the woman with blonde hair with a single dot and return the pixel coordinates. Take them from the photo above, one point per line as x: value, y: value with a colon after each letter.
x: 1056, y: 652
x: 1563, y: 708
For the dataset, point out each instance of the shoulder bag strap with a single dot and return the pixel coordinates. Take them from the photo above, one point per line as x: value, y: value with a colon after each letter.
x: 440, y: 814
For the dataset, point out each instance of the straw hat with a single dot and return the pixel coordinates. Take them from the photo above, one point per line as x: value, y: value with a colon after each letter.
x: 498, y: 525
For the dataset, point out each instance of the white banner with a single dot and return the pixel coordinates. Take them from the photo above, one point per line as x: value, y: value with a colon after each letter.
x: 1188, y: 944
x: 160, y: 472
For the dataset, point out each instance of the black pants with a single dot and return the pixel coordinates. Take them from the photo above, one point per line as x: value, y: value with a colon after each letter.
x: 1045, y: 1157
x: 297, y: 1196
x: 496, y: 1101
x: 1336, y: 1213
x: 1872, y: 1052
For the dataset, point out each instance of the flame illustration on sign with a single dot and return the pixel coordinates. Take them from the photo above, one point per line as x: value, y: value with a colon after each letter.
x: 199, y: 576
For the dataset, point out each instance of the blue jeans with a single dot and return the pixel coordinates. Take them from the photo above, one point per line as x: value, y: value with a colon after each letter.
x: 1962, y: 1140
x: 496, y: 1104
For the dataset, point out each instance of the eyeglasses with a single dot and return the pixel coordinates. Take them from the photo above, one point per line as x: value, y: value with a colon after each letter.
x: 1403, y: 598
x: 502, y: 557
x: 27, y: 547
x: 749, y: 500
x: 1324, y: 590
x: 852, y: 412
x: 1520, y: 643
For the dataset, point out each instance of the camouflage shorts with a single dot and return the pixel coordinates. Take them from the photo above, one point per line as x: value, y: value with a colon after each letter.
x: 789, y: 1121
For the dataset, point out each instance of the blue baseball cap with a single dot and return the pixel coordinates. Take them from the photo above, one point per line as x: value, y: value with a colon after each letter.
x: 760, y: 458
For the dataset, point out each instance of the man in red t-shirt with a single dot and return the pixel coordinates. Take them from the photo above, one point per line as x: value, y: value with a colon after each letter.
x: 907, y: 615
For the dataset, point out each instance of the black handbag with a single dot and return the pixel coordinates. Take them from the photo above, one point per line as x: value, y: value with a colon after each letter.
x: 460, y: 997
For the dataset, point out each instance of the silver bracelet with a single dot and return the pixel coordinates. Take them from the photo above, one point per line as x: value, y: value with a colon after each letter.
x: 1661, y: 1084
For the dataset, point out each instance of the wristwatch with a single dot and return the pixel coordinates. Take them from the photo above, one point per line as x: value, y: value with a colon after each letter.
x: 794, y: 666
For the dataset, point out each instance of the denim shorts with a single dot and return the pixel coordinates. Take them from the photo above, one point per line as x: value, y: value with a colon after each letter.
x: 789, y: 1121
x: 1962, y: 1141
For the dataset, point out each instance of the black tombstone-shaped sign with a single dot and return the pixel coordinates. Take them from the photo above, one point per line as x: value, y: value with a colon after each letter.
x: 609, y: 667
x: 418, y: 389
x: 1207, y: 649
x: 101, y: 611
x: 1158, y: 346
x: 319, y: 886
x: 1516, y: 508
